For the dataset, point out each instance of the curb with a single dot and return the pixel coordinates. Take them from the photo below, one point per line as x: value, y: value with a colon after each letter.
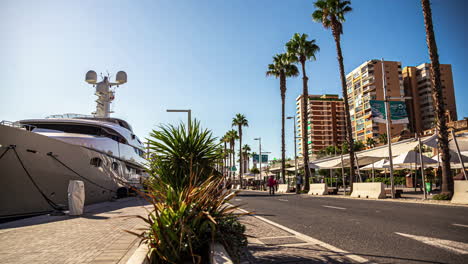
x: 140, y: 256
x: 218, y: 255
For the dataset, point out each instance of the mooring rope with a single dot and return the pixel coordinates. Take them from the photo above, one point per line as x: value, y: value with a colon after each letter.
x: 86, y: 179
x: 49, y: 201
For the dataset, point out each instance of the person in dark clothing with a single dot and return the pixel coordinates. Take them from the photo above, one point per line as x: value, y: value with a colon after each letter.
x: 271, y: 185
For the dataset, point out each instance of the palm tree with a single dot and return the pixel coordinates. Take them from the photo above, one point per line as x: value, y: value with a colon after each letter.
x: 231, y: 137
x: 447, y: 180
x: 246, y: 153
x: 282, y: 68
x: 240, y: 121
x: 224, y: 139
x: 331, y: 13
x: 300, y: 50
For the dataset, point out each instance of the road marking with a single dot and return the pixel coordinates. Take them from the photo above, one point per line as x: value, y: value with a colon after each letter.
x: 454, y: 246
x: 237, y: 199
x: 460, y: 225
x: 309, y: 239
x: 282, y: 200
x: 334, y: 207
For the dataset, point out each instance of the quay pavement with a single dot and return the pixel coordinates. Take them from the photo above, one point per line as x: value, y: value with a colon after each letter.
x: 97, y: 236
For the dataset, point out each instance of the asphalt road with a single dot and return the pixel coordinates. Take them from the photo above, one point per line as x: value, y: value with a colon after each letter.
x: 427, y: 233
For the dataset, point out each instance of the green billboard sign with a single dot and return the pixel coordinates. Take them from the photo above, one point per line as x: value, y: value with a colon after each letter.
x: 397, y: 112
x: 264, y: 158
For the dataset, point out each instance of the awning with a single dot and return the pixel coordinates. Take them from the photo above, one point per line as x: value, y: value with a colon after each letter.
x: 377, y: 165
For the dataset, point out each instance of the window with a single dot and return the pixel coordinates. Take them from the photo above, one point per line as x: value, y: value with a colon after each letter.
x: 96, y: 162
x: 115, y: 165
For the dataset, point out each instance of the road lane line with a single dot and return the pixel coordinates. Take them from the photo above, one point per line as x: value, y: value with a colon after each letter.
x: 309, y: 239
x: 454, y: 246
x: 334, y: 207
x: 282, y: 200
x: 460, y: 225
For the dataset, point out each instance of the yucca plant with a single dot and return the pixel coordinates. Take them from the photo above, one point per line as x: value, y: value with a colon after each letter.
x: 175, y: 153
x: 189, y: 203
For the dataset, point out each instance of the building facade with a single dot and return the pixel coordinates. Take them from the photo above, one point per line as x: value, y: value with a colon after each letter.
x: 365, y: 83
x: 326, y: 124
x: 418, y: 85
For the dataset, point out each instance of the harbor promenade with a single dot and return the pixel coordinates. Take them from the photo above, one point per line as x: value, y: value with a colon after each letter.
x: 97, y: 236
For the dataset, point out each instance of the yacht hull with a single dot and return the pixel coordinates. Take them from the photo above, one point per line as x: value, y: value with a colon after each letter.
x: 51, y: 164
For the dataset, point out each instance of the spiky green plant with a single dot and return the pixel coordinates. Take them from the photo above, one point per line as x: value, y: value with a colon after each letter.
x: 175, y: 153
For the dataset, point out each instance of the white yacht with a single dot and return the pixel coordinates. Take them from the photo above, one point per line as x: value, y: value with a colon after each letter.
x: 38, y: 157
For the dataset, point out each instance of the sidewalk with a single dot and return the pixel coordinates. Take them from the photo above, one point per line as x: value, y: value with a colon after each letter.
x: 271, y: 243
x: 96, y: 237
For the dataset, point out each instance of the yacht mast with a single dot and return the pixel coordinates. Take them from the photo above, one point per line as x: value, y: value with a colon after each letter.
x: 103, y: 91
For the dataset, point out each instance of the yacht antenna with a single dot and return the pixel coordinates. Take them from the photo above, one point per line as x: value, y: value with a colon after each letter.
x: 103, y: 92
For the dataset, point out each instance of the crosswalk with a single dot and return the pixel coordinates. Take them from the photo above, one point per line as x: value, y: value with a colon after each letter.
x: 453, y: 246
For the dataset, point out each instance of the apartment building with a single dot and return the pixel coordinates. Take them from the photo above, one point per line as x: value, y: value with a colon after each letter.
x: 326, y: 124
x: 417, y: 84
x: 365, y: 83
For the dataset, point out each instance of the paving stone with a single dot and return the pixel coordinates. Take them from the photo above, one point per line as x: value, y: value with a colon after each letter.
x: 96, y: 237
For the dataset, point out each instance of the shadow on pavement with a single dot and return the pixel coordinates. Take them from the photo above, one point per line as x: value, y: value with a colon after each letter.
x: 302, y: 254
x: 91, y: 211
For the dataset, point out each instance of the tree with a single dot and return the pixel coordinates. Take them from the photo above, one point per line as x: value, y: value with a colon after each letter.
x: 282, y: 68
x: 231, y: 137
x: 246, y: 154
x: 301, y: 50
x: 224, y: 139
x: 240, y: 121
x: 331, y: 13
x: 447, y: 180
x: 255, y: 170
x: 383, y: 139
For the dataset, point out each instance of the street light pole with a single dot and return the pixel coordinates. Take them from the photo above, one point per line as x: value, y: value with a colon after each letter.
x: 389, y: 128
x: 259, y: 154
x: 188, y: 111
x: 295, y: 148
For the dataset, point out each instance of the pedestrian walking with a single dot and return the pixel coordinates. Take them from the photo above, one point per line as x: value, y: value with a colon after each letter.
x: 271, y: 185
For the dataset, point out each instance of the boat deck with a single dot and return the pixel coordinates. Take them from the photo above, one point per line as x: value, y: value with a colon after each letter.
x: 97, y: 236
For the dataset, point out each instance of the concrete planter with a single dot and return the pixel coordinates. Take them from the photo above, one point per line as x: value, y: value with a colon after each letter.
x: 218, y: 255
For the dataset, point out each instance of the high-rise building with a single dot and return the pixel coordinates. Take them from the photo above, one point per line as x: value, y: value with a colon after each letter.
x: 365, y: 83
x: 326, y: 124
x: 418, y: 85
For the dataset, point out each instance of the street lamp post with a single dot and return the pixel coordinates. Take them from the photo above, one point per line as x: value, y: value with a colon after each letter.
x: 188, y: 111
x: 295, y: 148
x: 259, y: 154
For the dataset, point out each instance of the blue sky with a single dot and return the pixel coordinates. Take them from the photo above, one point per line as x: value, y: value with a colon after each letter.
x: 209, y: 56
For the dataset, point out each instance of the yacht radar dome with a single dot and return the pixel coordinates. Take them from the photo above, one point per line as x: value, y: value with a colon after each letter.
x: 91, y: 77
x: 121, y: 77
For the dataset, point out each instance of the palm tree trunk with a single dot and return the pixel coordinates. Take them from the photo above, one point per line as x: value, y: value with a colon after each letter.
x: 234, y: 155
x: 305, y: 119
x: 349, y: 131
x: 283, y: 150
x: 240, y: 155
x: 447, y: 180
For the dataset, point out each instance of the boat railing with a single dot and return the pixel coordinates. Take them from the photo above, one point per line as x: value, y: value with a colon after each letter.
x: 17, y: 125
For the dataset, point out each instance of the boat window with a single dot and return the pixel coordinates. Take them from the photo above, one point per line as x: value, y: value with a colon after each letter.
x: 115, y: 165
x: 83, y: 129
x: 96, y: 162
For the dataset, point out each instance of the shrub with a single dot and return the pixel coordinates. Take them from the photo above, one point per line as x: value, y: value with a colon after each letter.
x: 189, y: 204
x: 441, y: 196
x: 175, y: 154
